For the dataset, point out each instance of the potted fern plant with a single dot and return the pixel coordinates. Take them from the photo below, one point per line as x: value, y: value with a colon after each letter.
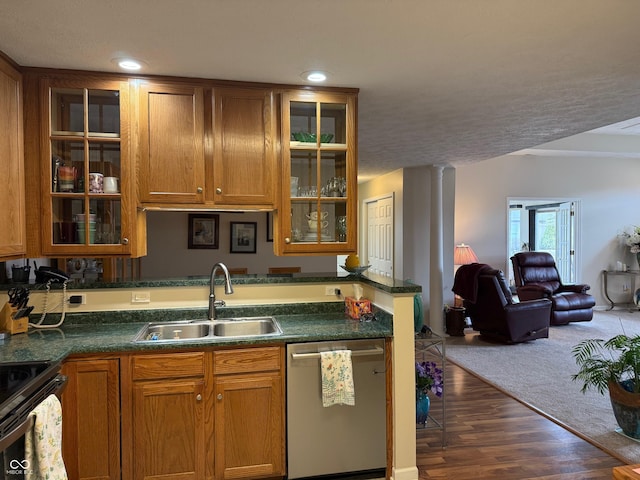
x: 613, y: 365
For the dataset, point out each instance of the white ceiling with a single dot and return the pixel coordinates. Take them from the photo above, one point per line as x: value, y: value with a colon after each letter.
x: 441, y: 81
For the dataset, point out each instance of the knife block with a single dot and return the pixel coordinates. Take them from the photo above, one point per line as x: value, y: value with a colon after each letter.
x: 8, y: 324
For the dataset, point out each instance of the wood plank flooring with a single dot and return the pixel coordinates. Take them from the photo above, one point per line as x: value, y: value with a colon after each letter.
x: 493, y: 436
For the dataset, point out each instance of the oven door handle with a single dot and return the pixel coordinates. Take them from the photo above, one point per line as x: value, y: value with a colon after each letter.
x: 54, y: 387
x: 15, y: 434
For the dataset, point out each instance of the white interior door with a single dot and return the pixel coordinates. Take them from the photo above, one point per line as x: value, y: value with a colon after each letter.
x: 380, y: 236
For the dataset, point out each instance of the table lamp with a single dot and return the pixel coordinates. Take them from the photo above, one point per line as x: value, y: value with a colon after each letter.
x: 462, y: 255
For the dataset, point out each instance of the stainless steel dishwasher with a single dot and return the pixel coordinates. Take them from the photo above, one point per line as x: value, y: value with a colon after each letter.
x: 340, y: 438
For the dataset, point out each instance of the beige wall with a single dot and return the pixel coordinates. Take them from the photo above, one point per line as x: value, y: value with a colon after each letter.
x: 411, y: 188
x: 607, y: 189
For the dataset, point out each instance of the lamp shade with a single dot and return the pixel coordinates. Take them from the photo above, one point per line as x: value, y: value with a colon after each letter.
x: 463, y: 255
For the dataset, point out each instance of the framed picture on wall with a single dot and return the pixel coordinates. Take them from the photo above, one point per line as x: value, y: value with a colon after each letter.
x: 243, y: 237
x: 203, y: 230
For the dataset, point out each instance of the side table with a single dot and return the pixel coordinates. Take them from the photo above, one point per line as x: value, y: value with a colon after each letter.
x: 630, y: 275
x: 626, y: 472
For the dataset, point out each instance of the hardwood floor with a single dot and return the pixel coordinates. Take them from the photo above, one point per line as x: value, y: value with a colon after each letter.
x: 493, y: 436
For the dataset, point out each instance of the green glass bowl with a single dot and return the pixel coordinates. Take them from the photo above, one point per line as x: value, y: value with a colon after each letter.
x: 312, y: 137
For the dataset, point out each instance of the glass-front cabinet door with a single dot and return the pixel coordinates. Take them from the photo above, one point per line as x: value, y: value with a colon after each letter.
x: 319, y: 186
x: 86, y: 165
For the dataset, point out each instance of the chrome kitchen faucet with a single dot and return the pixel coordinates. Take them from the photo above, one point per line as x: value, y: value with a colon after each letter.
x: 228, y: 289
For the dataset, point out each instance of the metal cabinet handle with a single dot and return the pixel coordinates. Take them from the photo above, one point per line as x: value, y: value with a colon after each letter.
x: 219, y: 191
x: 287, y: 240
x: 125, y: 241
x: 219, y: 397
x: 198, y: 397
x: 199, y: 190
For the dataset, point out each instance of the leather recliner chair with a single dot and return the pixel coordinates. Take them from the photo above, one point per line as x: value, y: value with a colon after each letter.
x: 489, y: 304
x: 536, y: 276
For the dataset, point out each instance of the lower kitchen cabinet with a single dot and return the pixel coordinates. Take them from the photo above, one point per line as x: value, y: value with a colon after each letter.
x: 91, y: 419
x: 189, y: 415
x: 168, y: 421
x: 249, y: 413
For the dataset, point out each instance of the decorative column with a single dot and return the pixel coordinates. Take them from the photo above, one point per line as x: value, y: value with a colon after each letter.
x: 436, y: 257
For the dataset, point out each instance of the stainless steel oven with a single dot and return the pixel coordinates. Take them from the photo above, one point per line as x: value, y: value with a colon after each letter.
x: 23, y: 386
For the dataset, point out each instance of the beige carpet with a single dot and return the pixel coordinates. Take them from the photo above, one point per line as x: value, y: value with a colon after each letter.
x: 539, y: 373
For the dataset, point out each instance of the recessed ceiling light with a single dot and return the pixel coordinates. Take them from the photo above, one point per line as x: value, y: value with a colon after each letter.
x: 314, y: 76
x: 129, y: 64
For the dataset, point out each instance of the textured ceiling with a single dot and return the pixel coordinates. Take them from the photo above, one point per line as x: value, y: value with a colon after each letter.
x: 441, y: 81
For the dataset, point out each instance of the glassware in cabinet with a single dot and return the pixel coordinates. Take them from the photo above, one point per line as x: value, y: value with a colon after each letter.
x: 319, y: 152
x: 85, y: 147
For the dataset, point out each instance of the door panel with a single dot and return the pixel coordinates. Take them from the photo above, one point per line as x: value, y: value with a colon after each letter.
x: 380, y: 238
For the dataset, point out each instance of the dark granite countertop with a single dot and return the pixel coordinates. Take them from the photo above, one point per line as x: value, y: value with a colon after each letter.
x: 114, y: 332
x: 385, y: 284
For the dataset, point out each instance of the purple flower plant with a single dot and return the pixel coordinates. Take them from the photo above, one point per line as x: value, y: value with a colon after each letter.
x: 429, y: 378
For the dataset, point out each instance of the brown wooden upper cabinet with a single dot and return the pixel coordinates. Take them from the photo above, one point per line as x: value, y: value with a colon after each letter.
x: 171, y: 144
x: 319, y: 174
x: 86, y: 175
x: 244, y: 160
x: 206, y: 147
x: 12, y: 194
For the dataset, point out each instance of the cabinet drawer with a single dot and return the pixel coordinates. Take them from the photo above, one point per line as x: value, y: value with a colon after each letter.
x: 188, y: 364
x: 244, y: 360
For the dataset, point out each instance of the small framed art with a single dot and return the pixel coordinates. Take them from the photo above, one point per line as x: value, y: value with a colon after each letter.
x: 203, y: 230
x: 243, y: 237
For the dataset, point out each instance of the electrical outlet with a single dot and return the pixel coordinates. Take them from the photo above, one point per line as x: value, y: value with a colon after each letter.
x: 332, y: 290
x: 78, y: 299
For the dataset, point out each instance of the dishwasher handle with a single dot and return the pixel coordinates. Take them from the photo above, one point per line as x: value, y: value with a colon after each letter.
x: 354, y: 353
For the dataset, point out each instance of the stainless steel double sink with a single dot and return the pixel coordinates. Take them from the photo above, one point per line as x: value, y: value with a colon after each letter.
x: 206, y: 329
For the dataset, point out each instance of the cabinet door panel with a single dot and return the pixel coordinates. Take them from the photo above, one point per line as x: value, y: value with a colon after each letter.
x: 249, y: 441
x: 168, y: 430
x: 244, y: 158
x: 12, y: 194
x: 91, y: 420
x: 171, y: 144
x: 85, y: 139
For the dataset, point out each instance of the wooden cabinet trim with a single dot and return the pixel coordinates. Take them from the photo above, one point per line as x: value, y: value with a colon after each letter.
x: 244, y: 360
x: 12, y: 196
x: 168, y: 365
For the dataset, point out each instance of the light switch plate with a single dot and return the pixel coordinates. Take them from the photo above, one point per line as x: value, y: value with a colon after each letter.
x: 140, y: 297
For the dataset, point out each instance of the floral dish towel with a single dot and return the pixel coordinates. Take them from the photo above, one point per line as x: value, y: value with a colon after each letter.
x: 43, y: 442
x: 337, y: 378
